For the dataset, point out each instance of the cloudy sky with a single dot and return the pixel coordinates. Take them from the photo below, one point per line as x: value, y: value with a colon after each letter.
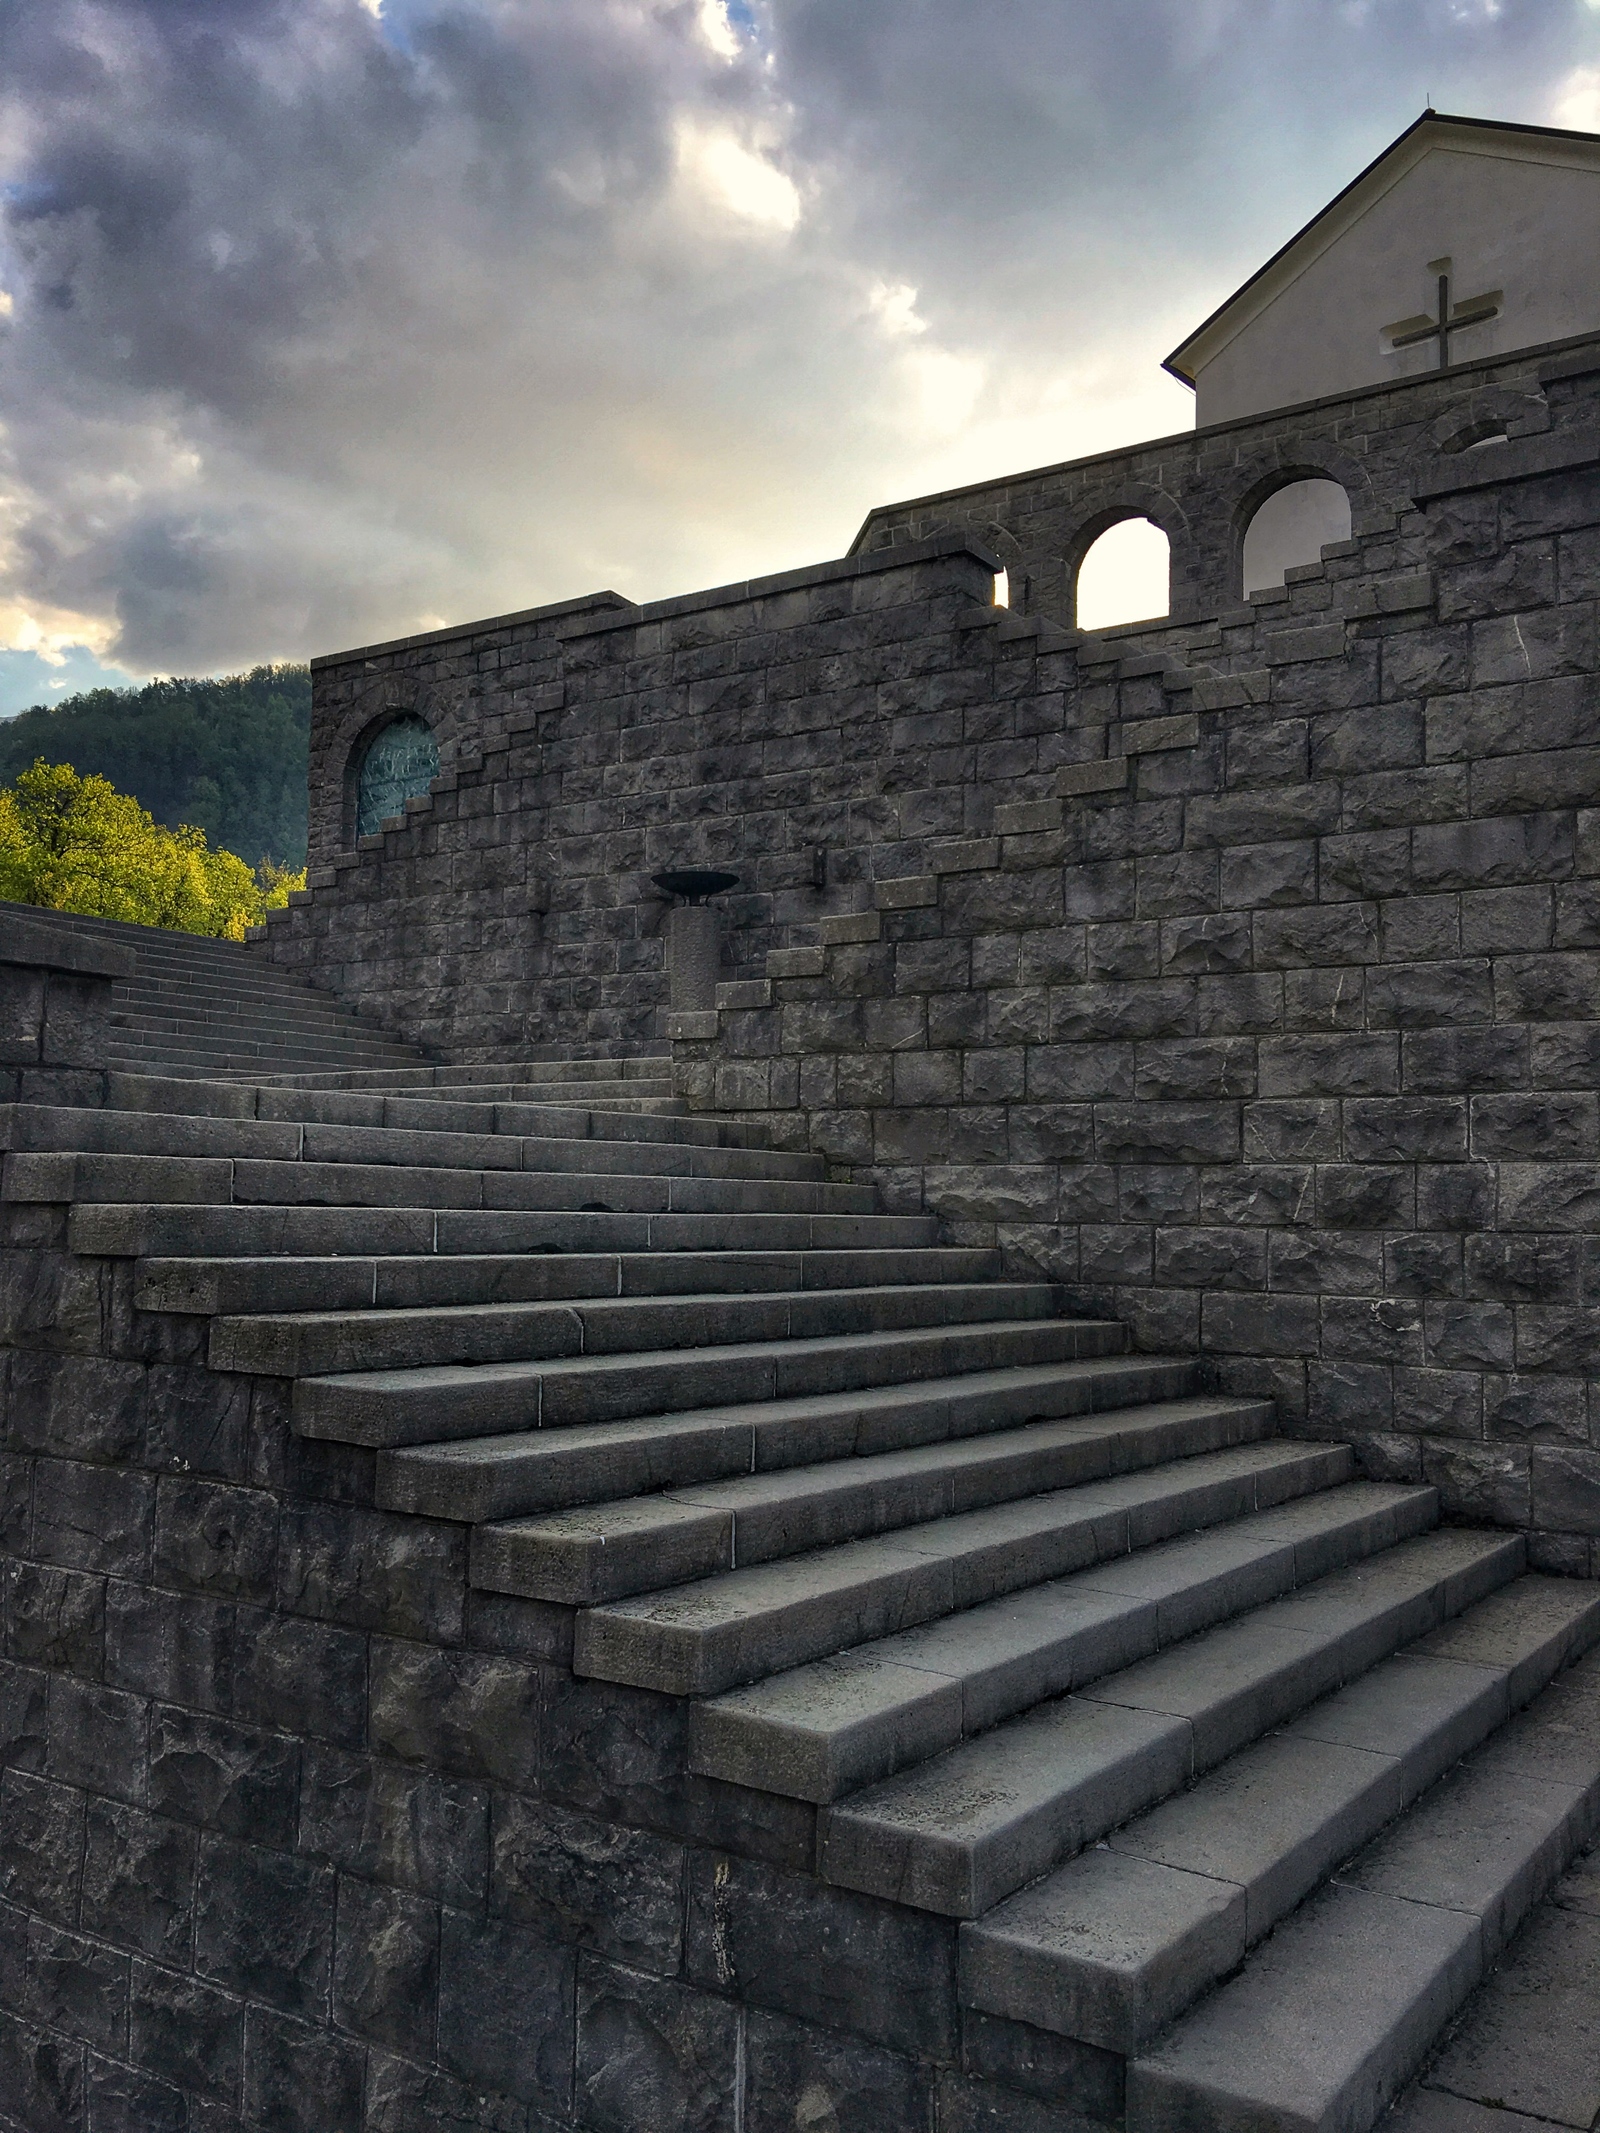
x: 325, y: 320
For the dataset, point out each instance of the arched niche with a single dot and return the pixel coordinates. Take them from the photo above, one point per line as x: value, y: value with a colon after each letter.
x: 1291, y: 528
x: 398, y: 764
x: 1125, y: 576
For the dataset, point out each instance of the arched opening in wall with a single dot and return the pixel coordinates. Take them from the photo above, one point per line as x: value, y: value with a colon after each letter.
x: 401, y: 762
x: 1124, y: 577
x: 1292, y: 528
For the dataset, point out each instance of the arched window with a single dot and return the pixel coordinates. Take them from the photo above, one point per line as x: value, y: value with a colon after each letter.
x: 1293, y: 527
x: 1124, y: 577
x: 401, y: 762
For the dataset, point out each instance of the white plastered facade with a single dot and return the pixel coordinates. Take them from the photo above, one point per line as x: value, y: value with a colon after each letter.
x: 1516, y: 214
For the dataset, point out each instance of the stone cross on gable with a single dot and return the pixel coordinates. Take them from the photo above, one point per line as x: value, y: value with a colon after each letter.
x: 1449, y: 318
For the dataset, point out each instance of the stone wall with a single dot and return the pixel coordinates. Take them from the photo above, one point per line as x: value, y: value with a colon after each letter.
x: 1240, y: 970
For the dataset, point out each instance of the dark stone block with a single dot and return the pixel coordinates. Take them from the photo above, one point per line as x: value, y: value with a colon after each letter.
x: 1566, y: 1489
x: 1364, y: 1196
x: 302, y: 1676
x: 386, y: 1964
x: 654, y: 2056
x: 1051, y: 2069
x: 42, y: 2080
x: 1535, y: 1410
x: 622, y: 1753
x: 225, y: 1777
x: 472, y: 1714
x: 138, y: 1880
x: 1480, y: 1484
x: 406, y: 1827
x: 797, y: 2075
x: 55, y: 1618
x: 264, y: 1925
x: 41, y: 1846
x: 93, y: 1518
x: 121, y: 2100
x: 185, y: 2032
x: 789, y: 1942
x: 216, y: 1539
x: 76, y: 1406
x: 168, y: 1645
x: 405, y: 2098
x: 199, y: 1422
x: 298, y: 2079
x: 618, y: 1891
x: 506, y: 2008
x: 370, y: 1570
x: 24, y: 1716
x: 969, y: 2106
x: 77, y: 1985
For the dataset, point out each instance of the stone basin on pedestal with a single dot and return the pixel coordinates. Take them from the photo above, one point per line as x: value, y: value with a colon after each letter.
x: 694, y: 935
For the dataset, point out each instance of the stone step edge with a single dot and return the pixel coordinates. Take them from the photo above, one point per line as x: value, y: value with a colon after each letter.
x: 134, y: 1230
x: 478, y: 1479
x: 602, y: 1551
x: 907, y: 1714
x: 269, y: 1343
x: 962, y: 1832
x: 1384, y: 1944
x: 788, y: 1613
x: 191, y: 1284
x: 1186, y: 1928
x: 384, y: 1409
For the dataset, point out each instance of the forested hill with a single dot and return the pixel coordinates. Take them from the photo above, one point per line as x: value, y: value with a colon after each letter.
x: 227, y: 754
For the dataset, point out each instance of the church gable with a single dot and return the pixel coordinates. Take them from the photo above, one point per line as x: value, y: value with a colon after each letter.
x: 1465, y: 240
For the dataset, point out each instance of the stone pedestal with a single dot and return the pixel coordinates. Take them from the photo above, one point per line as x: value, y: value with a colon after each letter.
x: 694, y: 956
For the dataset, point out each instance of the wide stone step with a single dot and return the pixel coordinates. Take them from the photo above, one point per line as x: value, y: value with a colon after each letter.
x: 499, y: 1477
x: 134, y: 1050
x: 960, y: 1833
x: 42, y: 1129
x: 135, y: 1006
x: 696, y: 1640
x: 1329, y: 2018
x: 289, y: 1038
x: 200, y: 1181
x: 385, y: 1408
x: 313, y: 1344
x: 148, y: 1091
x: 605, y: 1551
x: 212, y: 1287
x: 1113, y: 1947
x: 822, y: 1731
x: 135, y: 1231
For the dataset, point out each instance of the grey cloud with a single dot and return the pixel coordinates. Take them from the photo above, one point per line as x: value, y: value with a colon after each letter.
x: 326, y: 327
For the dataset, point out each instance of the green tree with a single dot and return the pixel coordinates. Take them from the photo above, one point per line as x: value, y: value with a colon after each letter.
x: 69, y: 843
x: 227, y: 754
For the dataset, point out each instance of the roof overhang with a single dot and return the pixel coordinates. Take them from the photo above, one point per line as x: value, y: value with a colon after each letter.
x: 1434, y: 129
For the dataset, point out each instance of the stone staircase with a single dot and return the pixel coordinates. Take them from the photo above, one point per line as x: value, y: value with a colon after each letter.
x: 1231, y: 1770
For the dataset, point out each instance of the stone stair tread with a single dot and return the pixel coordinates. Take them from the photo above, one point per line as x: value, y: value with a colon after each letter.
x: 974, y: 1824
x: 483, y: 1478
x: 701, y: 1638
x: 1112, y: 1947
x: 197, y: 1180
x: 825, y: 1730
x: 316, y: 1343
x: 135, y: 1230
x: 1331, y: 2015
x: 217, y: 1287
x: 62, y: 1130
x: 431, y: 1402
x: 602, y: 1551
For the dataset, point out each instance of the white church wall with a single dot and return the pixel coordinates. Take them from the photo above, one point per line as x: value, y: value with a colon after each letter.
x: 1525, y: 229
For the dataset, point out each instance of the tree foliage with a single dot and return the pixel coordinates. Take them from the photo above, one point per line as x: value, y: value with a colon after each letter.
x: 70, y: 843
x: 226, y: 754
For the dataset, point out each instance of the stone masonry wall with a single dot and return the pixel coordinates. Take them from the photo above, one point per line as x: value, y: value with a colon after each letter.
x: 1241, y: 971
x: 300, y: 1835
